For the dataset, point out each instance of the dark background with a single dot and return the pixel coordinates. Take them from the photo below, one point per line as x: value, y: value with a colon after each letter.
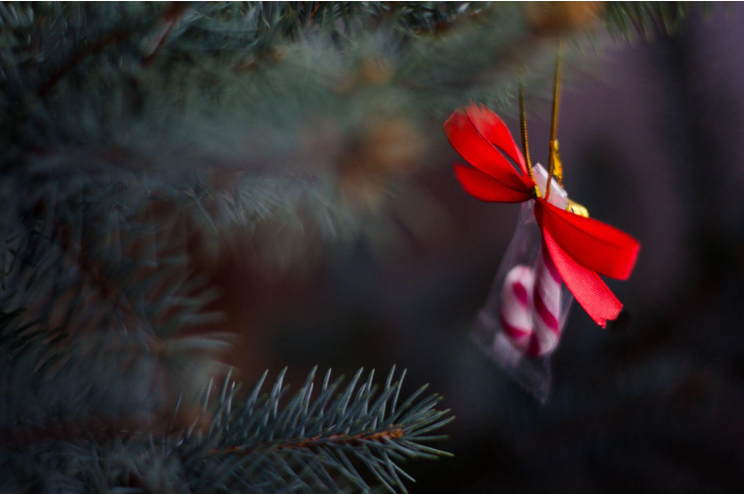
x: 651, y: 138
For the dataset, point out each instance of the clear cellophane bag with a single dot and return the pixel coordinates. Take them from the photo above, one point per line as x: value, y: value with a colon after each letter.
x: 522, y: 321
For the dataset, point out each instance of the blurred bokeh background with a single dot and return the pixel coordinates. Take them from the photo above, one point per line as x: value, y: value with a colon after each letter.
x: 292, y: 155
x: 651, y: 139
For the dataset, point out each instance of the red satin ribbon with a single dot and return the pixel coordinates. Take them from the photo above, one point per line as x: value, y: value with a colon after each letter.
x: 581, y: 248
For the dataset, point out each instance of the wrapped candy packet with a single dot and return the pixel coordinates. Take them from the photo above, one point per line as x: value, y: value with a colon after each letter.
x: 522, y: 321
x: 558, y: 253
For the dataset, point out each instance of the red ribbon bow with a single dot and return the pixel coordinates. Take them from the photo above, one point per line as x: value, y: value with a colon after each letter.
x: 581, y: 248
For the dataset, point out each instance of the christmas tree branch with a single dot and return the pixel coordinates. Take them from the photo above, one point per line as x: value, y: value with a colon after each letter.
x: 331, y: 439
x: 320, y: 438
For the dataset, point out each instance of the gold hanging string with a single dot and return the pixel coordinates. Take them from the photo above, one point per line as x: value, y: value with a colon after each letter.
x: 523, y: 128
x: 555, y: 167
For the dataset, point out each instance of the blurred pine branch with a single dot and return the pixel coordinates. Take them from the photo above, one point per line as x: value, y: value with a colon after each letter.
x: 645, y: 18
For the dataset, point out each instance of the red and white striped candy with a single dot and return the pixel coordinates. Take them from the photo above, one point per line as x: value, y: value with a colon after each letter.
x: 515, y: 312
x: 530, y: 312
x: 546, y: 306
x: 530, y: 307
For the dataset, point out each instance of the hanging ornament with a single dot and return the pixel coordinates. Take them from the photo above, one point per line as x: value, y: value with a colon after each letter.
x: 557, y: 252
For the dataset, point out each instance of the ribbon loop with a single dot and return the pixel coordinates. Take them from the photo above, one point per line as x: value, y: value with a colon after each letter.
x: 484, y: 153
x: 487, y: 188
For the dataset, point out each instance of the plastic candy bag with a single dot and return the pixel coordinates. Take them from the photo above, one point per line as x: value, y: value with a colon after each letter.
x: 522, y: 321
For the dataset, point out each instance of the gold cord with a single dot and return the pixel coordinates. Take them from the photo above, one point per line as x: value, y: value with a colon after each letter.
x: 555, y: 167
x: 525, y: 143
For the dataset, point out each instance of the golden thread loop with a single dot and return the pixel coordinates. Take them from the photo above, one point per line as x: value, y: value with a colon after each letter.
x: 557, y: 163
x: 525, y: 143
x: 555, y: 166
x: 553, y: 151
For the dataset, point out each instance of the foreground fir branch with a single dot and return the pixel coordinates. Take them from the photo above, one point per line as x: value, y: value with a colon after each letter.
x: 338, y: 438
x: 333, y: 440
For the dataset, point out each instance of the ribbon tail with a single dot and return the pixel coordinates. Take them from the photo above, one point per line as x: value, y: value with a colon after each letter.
x: 597, y: 246
x: 586, y: 286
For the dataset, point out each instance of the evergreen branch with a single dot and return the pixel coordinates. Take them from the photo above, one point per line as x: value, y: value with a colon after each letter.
x: 645, y: 17
x: 335, y: 440
x: 171, y: 16
x: 309, y: 440
x: 313, y: 443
